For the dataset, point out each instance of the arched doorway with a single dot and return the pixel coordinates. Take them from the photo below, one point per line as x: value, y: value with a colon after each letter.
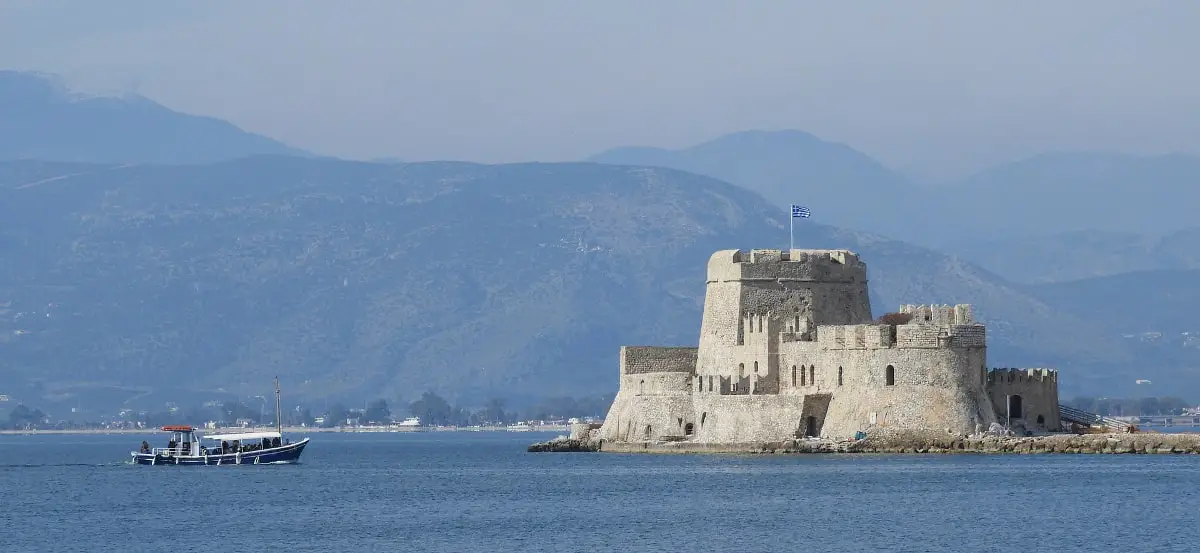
x: 890, y: 376
x: 1015, y: 407
x: 688, y: 429
x: 810, y: 426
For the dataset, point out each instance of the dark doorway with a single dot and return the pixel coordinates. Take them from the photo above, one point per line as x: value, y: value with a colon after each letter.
x: 1041, y: 420
x: 1014, y: 407
x: 687, y: 429
x: 810, y: 426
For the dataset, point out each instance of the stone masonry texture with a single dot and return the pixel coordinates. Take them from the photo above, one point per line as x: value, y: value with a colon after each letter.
x: 788, y: 349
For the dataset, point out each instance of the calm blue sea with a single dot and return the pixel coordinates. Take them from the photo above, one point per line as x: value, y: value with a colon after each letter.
x: 481, y: 492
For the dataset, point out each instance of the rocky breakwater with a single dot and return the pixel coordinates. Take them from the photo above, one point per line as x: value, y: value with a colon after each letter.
x: 581, y: 439
x: 893, y: 441
x: 932, y: 442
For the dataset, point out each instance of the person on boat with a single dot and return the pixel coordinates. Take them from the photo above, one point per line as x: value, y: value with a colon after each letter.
x: 145, y: 447
x: 224, y: 447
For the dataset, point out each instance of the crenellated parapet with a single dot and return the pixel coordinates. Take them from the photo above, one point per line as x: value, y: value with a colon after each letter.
x: 863, y: 336
x: 830, y: 266
x: 929, y: 329
x: 940, y: 315
x: 1016, y: 375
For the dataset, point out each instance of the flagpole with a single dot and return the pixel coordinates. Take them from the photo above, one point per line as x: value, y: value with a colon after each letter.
x: 791, y: 229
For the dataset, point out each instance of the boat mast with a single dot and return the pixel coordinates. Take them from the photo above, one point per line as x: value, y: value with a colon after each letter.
x: 278, y: 413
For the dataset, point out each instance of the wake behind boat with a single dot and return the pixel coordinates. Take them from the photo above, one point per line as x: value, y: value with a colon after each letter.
x: 246, y: 448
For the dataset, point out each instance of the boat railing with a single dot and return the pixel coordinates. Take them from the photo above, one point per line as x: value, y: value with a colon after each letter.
x: 173, y: 451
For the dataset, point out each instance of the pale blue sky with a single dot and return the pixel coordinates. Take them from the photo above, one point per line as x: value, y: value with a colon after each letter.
x: 943, y: 86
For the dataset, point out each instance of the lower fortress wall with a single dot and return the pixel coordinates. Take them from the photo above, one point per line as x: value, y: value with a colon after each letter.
x: 931, y: 389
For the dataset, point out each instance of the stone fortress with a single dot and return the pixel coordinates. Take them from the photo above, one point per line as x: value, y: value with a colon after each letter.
x: 788, y: 349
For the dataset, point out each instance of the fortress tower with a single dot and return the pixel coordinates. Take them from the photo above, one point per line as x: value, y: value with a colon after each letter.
x: 788, y: 348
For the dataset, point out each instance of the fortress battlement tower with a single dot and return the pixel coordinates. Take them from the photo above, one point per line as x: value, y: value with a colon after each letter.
x: 788, y: 348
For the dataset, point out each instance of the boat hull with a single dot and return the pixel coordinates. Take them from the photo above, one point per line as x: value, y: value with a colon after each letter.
x: 285, y: 454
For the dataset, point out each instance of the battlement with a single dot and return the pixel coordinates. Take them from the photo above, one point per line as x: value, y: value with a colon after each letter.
x: 940, y: 315
x: 863, y: 336
x: 912, y: 335
x: 795, y: 265
x: 1000, y: 375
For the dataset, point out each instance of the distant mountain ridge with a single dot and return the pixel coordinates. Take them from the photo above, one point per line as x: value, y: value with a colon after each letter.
x: 1047, y: 194
x: 348, y: 278
x: 1084, y: 254
x: 789, y: 167
x: 42, y: 120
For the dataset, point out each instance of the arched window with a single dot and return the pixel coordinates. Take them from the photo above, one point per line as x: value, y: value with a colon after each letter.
x: 839, y: 376
x: 891, y: 375
x: 803, y: 376
x: 710, y: 383
x: 756, y: 367
x: 741, y: 370
x: 812, y: 375
x: 793, y: 376
x: 642, y: 387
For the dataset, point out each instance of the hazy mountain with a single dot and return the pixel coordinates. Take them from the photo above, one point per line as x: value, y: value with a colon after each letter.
x: 1165, y: 301
x: 351, y: 279
x: 39, y: 119
x: 1152, y: 312
x: 1067, y: 192
x: 1083, y: 254
x: 842, y: 186
x: 1043, y: 195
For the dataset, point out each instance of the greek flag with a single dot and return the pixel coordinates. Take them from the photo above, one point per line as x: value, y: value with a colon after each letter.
x: 800, y: 211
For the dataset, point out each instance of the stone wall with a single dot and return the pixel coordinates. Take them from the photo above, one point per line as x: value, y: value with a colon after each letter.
x: 1037, y: 408
x: 651, y: 359
x: 929, y: 388
x: 746, y: 418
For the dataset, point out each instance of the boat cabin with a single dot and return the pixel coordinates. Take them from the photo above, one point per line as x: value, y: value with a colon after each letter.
x: 183, y: 442
x: 244, y: 442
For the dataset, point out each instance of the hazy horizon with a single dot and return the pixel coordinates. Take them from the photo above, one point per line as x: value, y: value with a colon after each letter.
x: 935, y: 88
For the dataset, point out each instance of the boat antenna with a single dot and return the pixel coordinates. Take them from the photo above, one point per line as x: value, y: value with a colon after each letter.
x: 278, y: 414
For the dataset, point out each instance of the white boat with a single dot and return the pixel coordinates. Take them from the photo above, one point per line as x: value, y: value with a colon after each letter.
x: 410, y: 422
x: 246, y: 448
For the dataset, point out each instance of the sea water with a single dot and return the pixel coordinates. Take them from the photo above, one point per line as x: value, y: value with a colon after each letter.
x: 482, y: 492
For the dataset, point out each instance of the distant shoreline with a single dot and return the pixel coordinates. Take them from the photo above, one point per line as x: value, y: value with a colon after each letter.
x: 301, y: 430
